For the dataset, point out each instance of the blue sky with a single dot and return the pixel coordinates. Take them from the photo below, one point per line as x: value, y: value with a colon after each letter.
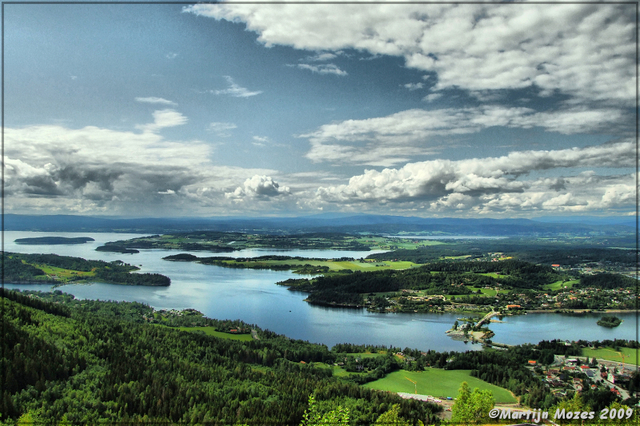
x: 494, y: 110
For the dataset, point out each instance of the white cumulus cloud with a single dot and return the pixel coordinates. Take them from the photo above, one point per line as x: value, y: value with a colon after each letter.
x: 164, y: 118
x: 586, y: 51
x: 496, y: 181
x: 393, y: 139
x: 259, y: 187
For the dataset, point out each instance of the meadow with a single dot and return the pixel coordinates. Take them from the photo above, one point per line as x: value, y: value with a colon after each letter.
x: 630, y: 354
x: 438, y: 383
x: 211, y: 331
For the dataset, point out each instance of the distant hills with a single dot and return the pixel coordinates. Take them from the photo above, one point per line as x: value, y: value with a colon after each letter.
x: 343, y: 223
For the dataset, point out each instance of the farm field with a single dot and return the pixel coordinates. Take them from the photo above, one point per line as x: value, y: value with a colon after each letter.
x: 438, y: 383
x: 359, y: 266
x: 630, y: 354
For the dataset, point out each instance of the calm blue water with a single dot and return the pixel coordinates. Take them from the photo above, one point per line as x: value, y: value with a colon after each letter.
x: 252, y: 296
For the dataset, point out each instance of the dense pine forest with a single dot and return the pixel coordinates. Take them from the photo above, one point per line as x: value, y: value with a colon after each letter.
x: 81, y: 364
x: 68, y: 360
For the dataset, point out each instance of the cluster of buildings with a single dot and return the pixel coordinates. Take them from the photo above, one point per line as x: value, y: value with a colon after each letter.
x: 572, y: 375
x: 584, y: 298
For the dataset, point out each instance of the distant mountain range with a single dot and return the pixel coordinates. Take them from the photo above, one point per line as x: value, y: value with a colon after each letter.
x: 580, y: 225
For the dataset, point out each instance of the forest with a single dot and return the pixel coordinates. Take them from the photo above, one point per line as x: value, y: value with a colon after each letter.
x: 90, y: 361
x: 606, y: 281
x: 78, y: 366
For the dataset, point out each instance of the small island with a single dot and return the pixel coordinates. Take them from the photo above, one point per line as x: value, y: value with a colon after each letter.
x: 609, y: 322
x: 113, y: 248
x: 53, y: 240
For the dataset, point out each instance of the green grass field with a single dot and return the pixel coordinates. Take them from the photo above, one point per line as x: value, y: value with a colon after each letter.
x: 211, y: 331
x: 611, y: 355
x: 62, y: 274
x: 491, y: 274
x: 559, y: 285
x: 335, y: 266
x: 337, y: 371
x: 438, y: 383
x: 487, y: 291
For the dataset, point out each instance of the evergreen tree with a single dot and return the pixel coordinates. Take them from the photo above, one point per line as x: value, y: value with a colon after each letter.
x: 313, y: 416
x: 392, y: 418
x: 472, y: 407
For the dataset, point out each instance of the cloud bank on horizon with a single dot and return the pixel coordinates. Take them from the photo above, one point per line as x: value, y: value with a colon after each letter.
x: 495, y: 110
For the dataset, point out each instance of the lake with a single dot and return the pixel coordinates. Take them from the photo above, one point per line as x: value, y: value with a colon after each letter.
x: 252, y: 296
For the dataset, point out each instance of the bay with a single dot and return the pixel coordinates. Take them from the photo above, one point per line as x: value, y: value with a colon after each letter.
x: 253, y: 296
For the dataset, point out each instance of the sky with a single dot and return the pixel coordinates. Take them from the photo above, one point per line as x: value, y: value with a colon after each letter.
x: 428, y: 110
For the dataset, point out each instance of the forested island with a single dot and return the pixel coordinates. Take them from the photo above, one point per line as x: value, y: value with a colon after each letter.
x: 83, y: 361
x: 54, y: 269
x: 53, y: 240
x: 609, y: 322
x: 114, y: 248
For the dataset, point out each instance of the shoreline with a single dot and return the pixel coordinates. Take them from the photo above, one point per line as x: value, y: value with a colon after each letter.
x: 580, y: 311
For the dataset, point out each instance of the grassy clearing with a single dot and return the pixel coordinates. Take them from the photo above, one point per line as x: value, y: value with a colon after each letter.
x: 63, y: 274
x: 337, y: 371
x: 492, y: 274
x: 490, y: 292
x: 366, y: 266
x: 368, y: 354
x: 260, y: 368
x: 331, y: 264
x: 611, y: 355
x: 437, y: 382
x: 341, y: 372
x: 558, y: 285
x: 211, y: 331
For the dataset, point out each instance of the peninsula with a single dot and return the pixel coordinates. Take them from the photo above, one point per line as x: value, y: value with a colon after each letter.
x: 54, y: 269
